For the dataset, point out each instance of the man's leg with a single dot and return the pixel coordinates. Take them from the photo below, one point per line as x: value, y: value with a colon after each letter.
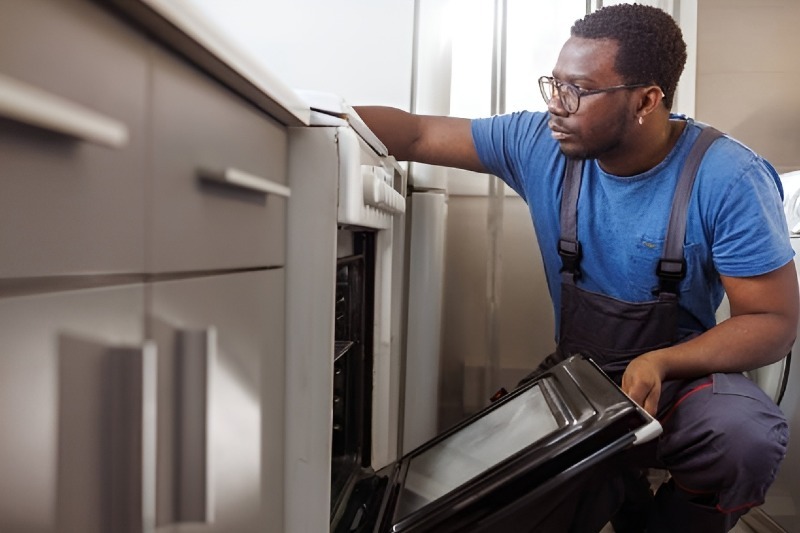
x: 723, y: 441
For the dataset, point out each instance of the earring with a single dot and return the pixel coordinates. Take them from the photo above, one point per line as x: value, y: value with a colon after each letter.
x: 641, y: 121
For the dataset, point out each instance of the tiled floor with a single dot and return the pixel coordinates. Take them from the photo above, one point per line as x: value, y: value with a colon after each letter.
x: 740, y: 528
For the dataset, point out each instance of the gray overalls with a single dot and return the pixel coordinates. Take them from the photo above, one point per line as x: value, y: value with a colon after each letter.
x: 723, y: 437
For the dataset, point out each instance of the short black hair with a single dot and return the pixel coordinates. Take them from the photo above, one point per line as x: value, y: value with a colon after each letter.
x: 651, y: 46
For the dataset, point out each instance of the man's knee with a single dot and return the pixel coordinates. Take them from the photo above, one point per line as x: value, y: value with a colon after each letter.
x: 729, y: 441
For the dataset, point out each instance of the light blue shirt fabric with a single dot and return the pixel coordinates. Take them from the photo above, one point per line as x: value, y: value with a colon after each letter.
x: 735, y: 220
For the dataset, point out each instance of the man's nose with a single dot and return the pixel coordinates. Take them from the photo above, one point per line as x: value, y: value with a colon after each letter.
x: 555, y: 107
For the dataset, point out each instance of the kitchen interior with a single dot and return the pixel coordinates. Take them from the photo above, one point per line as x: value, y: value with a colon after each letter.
x: 222, y: 297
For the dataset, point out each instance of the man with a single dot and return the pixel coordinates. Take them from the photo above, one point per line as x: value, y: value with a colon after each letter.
x: 646, y: 317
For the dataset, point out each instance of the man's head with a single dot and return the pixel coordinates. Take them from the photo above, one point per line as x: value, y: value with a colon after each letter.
x: 612, y: 87
x: 651, y: 47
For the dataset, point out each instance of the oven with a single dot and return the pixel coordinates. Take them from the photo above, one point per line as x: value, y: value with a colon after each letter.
x: 345, y: 313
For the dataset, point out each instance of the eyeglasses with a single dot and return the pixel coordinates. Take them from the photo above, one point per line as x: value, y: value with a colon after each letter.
x: 570, y: 95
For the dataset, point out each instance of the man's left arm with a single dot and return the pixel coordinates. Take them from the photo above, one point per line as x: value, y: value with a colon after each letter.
x: 760, y: 331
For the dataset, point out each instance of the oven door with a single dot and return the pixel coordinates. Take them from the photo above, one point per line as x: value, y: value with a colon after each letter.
x: 505, y: 458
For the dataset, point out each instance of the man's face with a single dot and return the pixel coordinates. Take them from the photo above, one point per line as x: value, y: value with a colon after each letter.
x: 602, y: 121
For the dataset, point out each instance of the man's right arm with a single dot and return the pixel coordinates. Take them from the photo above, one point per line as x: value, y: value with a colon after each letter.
x: 435, y: 140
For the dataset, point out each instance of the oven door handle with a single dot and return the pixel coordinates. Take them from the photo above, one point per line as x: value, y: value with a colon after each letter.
x: 36, y: 107
x: 244, y: 180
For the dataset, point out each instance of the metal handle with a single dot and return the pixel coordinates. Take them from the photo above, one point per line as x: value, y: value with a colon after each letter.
x: 31, y: 105
x: 195, y: 357
x: 245, y: 180
x: 133, y: 439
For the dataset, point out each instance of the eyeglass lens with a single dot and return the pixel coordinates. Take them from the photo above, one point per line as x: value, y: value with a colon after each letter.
x: 567, y: 94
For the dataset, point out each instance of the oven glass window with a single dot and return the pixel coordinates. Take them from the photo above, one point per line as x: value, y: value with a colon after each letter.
x: 476, y: 448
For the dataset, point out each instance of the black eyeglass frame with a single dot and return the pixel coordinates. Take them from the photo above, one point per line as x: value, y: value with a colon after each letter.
x: 556, y: 86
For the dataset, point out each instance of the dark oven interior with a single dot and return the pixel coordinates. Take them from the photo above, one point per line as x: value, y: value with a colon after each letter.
x: 353, y: 362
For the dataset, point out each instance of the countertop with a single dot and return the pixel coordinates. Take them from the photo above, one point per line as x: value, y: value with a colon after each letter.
x: 190, y: 33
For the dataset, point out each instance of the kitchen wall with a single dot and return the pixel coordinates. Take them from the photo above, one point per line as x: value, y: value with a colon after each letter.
x: 524, y: 322
x: 748, y: 74
x: 357, y: 49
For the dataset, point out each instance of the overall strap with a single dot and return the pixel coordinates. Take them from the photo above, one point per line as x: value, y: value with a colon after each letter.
x: 568, y: 246
x: 671, y: 267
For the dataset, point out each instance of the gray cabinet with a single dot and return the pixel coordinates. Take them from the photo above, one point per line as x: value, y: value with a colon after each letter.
x: 142, y: 236
x: 57, y: 394
x: 220, y: 389
x: 210, y: 453
x: 68, y: 204
x: 203, y: 135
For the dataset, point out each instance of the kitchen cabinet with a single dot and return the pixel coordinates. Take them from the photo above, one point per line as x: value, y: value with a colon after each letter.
x: 142, y: 284
x: 220, y: 385
x: 57, y: 388
x: 72, y: 191
x: 59, y: 469
x: 201, y: 133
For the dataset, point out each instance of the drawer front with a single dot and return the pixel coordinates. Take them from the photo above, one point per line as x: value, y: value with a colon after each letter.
x: 56, y: 407
x: 220, y: 396
x: 71, y: 198
x: 201, y: 129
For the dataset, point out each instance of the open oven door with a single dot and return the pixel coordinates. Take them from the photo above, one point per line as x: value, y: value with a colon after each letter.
x: 503, y: 459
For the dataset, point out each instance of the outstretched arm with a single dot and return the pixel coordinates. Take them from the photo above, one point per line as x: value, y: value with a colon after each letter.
x: 435, y: 140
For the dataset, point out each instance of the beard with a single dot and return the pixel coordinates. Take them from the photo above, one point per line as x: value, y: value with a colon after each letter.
x: 606, y: 139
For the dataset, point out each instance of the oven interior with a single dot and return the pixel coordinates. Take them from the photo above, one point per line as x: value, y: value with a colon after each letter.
x: 353, y: 363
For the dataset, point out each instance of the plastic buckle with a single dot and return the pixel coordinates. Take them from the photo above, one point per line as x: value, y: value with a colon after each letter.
x: 671, y: 270
x: 670, y: 273
x: 570, y: 252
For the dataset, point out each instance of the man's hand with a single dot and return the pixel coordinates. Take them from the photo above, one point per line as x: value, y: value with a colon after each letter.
x: 642, y: 381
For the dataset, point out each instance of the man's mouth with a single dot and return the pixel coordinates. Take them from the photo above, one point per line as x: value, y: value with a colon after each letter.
x: 557, y: 132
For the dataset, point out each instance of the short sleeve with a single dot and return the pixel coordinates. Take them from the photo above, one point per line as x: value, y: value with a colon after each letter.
x: 506, y: 144
x: 750, y: 235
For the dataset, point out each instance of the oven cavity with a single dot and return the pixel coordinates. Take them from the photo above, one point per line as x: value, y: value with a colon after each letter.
x: 352, y: 371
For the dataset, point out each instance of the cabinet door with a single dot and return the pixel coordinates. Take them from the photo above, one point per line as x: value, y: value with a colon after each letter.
x: 65, y: 410
x: 220, y: 402
x: 73, y: 78
x: 219, y: 169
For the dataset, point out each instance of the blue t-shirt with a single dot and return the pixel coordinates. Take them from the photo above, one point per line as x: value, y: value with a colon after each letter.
x: 735, y: 220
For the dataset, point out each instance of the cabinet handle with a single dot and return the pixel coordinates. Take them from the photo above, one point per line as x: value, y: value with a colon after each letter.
x: 133, y: 439
x: 195, y: 358
x: 31, y: 105
x: 245, y: 180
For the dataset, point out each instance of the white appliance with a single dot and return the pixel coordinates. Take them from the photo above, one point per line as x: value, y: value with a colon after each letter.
x: 343, y: 185
x: 427, y: 221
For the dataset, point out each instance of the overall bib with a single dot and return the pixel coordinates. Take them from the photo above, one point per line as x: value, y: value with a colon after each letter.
x: 610, y: 331
x: 712, y: 484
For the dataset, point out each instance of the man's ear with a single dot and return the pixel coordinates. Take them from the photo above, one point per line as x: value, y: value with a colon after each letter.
x: 651, y: 100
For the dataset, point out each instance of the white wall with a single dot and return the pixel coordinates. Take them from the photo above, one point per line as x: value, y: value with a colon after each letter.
x: 358, y: 49
x: 749, y: 74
